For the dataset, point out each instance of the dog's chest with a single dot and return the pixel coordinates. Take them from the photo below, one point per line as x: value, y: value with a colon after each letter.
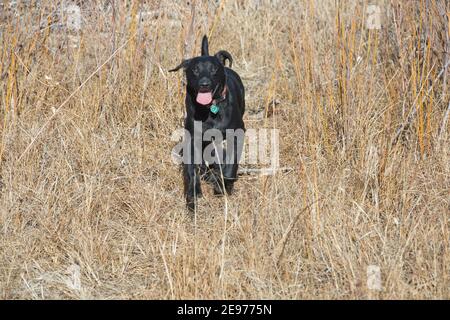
x: 216, y: 121
x: 220, y: 121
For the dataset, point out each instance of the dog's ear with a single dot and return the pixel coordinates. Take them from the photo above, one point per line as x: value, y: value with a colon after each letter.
x: 205, y: 50
x: 223, y: 55
x: 184, y: 64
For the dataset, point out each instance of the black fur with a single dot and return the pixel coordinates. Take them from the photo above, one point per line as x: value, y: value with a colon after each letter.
x: 208, y: 74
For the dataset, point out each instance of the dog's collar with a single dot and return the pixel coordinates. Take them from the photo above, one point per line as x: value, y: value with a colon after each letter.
x: 214, y: 108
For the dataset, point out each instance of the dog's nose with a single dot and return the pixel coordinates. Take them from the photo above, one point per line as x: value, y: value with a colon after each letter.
x: 204, y: 82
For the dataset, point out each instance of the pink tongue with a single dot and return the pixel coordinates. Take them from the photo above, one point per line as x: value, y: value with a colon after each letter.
x: 204, y: 98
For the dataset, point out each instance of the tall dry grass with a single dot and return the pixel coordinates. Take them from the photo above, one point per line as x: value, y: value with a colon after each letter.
x: 91, y: 205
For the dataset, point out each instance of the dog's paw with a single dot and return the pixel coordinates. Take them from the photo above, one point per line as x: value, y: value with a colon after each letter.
x: 219, y: 190
x: 190, y: 205
x: 229, y: 188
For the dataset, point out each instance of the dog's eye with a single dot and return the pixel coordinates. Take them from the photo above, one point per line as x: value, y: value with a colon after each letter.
x: 196, y: 71
x: 214, y: 70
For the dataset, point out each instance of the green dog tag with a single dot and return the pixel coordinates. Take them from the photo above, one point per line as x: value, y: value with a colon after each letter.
x: 214, y: 109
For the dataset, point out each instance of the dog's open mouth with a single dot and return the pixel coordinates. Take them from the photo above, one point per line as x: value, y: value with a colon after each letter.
x: 204, y: 98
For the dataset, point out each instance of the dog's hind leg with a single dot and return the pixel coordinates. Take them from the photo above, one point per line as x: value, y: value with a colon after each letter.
x: 192, y: 188
x: 225, y: 178
x: 226, y: 173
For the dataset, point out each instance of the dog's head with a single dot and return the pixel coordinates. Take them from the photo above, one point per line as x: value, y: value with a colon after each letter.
x: 205, y: 74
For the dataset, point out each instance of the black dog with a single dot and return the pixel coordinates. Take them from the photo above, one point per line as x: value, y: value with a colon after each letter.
x: 214, y: 100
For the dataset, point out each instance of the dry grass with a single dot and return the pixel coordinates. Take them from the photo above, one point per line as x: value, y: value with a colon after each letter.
x: 91, y: 205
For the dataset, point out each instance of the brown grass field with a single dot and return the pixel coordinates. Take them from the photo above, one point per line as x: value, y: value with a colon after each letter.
x: 91, y: 204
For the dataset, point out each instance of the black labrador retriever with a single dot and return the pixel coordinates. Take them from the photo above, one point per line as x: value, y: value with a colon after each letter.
x: 215, y: 105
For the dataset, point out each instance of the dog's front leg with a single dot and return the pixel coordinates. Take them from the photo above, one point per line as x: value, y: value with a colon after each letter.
x: 228, y: 170
x: 192, y: 188
x: 191, y: 177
